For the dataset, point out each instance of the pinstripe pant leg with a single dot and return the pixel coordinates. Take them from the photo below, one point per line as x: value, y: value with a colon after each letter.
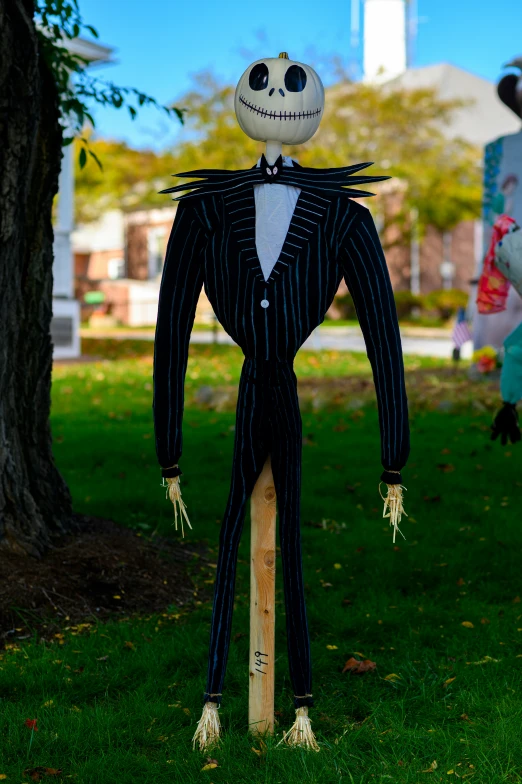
x: 250, y: 452
x: 286, y: 449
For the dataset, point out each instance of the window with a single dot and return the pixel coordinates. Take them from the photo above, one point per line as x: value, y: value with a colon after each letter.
x: 156, y: 241
x: 116, y: 268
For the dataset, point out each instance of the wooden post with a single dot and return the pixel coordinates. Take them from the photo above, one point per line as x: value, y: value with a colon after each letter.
x: 262, y: 603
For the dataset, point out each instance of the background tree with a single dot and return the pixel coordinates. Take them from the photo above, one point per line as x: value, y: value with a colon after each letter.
x: 37, y: 99
x: 131, y: 181
x: 402, y: 130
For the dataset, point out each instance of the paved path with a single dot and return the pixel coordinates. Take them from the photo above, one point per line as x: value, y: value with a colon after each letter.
x: 436, y: 343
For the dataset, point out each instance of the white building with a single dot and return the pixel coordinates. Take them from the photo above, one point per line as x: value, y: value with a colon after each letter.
x: 65, y: 323
x: 385, y: 39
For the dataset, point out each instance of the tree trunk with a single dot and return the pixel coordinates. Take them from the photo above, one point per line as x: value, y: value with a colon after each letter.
x: 35, y: 503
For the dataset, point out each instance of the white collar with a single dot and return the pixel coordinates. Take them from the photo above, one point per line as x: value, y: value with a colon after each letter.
x: 287, y: 161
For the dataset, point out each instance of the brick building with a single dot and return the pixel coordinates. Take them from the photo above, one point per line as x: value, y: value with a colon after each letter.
x: 121, y: 255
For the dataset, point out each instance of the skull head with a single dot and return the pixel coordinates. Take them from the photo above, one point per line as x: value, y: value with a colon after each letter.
x: 278, y: 99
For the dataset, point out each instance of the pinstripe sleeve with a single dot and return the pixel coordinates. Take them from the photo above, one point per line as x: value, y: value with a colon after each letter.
x: 180, y: 288
x: 367, y: 277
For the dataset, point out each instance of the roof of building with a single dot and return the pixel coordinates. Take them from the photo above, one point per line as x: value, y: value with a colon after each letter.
x: 91, y: 51
x: 483, y: 120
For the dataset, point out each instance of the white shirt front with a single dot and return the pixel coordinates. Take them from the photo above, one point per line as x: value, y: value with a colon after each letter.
x: 275, y: 206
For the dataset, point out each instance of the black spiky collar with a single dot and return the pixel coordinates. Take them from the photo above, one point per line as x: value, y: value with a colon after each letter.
x: 334, y: 181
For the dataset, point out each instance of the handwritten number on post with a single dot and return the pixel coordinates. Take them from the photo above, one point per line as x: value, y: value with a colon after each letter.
x: 259, y: 662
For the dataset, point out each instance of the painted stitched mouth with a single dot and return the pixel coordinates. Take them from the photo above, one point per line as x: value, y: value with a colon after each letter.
x: 273, y: 115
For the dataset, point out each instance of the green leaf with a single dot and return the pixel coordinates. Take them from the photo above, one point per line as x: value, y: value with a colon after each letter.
x: 82, y: 158
x: 132, y: 112
x: 92, y: 31
x: 93, y: 155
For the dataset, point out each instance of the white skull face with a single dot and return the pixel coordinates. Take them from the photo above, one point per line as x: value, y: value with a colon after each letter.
x: 279, y: 100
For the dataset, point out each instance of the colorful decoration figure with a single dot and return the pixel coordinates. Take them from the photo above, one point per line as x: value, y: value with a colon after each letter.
x: 271, y: 244
x: 508, y: 260
x: 502, y: 198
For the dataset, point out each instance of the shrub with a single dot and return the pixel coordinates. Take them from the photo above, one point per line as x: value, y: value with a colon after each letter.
x: 445, y: 302
x: 345, y: 305
x: 405, y: 302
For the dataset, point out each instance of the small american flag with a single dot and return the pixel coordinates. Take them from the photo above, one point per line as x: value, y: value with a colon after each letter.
x: 461, y: 331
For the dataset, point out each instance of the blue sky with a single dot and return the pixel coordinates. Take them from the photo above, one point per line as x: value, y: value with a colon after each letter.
x: 160, y: 44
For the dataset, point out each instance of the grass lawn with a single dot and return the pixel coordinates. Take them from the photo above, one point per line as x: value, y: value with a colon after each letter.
x: 440, y: 612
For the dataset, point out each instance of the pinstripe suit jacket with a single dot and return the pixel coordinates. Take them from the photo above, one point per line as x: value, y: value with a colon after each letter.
x: 212, y: 244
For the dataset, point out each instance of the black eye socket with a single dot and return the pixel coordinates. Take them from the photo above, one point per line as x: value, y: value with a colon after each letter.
x: 258, y: 78
x: 295, y: 79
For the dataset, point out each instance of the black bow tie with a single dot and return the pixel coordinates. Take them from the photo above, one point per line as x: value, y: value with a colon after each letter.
x: 271, y: 172
x: 212, y: 181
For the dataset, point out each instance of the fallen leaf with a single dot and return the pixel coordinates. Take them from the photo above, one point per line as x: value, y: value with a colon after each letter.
x: 3, y: 776
x: 337, y: 566
x: 210, y: 766
x: 449, y: 772
x: 516, y: 600
x: 359, y: 667
x: 431, y: 768
x: 332, y: 647
x: 446, y: 468
x: 36, y: 773
x: 450, y: 680
x: 461, y: 581
x: 485, y: 620
x: 484, y: 660
x: 467, y: 624
x: 129, y: 644
x: 392, y: 677
x: 102, y: 658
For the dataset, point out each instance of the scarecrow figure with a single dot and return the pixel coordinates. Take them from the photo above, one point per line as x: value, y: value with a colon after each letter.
x: 270, y: 245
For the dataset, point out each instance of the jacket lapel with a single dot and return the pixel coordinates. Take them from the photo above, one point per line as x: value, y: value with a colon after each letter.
x: 309, y: 213
x: 240, y: 210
